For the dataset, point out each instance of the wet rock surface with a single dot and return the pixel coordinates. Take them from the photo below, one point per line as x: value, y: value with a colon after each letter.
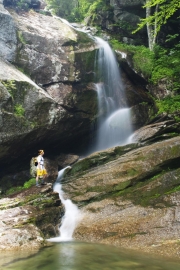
x: 131, y: 201
x: 157, y: 131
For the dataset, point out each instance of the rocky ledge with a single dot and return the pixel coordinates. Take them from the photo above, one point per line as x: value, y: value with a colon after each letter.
x: 129, y: 196
x: 29, y: 218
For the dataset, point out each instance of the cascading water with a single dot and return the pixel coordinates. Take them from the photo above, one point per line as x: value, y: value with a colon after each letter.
x: 114, y: 124
x: 72, y: 213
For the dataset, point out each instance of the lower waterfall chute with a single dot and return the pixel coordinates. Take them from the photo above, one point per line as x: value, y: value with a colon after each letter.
x: 72, y: 213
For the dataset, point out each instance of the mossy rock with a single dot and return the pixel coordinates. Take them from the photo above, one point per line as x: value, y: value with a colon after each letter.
x: 99, y: 158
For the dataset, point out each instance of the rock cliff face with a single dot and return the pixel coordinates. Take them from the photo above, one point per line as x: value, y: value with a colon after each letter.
x: 8, y: 38
x: 121, y: 18
x: 47, y: 94
x: 55, y: 102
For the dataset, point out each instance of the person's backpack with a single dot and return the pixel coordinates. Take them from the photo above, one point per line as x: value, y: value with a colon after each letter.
x: 35, y: 162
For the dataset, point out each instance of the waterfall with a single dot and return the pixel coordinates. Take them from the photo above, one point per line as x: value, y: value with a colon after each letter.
x: 72, y: 213
x: 114, y: 124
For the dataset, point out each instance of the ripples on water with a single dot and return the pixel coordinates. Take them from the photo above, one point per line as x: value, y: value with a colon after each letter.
x: 85, y: 256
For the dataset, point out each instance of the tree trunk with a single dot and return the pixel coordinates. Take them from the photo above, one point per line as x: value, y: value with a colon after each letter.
x: 151, y: 28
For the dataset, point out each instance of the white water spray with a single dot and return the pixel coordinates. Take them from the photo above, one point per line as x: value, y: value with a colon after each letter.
x: 72, y: 214
x: 114, y: 124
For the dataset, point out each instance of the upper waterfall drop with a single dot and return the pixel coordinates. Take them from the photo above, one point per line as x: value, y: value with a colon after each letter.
x: 114, y: 124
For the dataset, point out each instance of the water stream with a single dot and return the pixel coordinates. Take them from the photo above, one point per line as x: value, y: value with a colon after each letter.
x: 114, y: 124
x: 72, y: 213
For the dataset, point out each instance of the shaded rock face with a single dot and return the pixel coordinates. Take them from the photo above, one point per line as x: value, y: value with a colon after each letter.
x: 24, y: 4
x: 23, y: 103
x: 122, y: 17
x: 56, y: 100
x: 137, y: 94
x: 129, y: 197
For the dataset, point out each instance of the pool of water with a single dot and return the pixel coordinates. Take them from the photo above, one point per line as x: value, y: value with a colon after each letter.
x: 84, y: 256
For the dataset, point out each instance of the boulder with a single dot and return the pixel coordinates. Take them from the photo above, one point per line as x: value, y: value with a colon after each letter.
x: 157, y: 131
x: 29, y: 218
x: 56, y: 53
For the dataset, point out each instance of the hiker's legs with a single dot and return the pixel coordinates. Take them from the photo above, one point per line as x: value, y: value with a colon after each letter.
x: 43, y: 179
x: 39, y: 174
x: 37, y: 179
x: 44, y: 176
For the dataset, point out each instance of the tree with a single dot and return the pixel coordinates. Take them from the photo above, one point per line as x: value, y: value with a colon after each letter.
x: 162, y: 11
x: 62, y: 8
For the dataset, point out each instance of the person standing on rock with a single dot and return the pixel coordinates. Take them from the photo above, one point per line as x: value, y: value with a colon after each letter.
x: 41, y: 171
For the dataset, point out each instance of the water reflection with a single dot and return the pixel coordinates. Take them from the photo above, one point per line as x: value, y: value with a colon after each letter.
x: 87, y: 256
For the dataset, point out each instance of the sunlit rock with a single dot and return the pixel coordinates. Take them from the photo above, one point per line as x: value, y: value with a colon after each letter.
x: 131, y: 200
x: 8, y: 38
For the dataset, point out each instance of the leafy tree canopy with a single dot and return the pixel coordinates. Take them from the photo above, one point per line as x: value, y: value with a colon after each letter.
x: 75, y: 10
x: 166, y: 8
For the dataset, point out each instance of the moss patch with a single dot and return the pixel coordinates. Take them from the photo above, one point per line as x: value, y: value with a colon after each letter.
x: 151, y: 192
x: 100, y: 158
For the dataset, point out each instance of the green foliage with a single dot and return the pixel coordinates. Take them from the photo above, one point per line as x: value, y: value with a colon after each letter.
x: 62, y: 8
x: 19, y: 110
x: 143, y: 61
x: 165, y: 10
x: 169, y: 104
x: 166, y: 65
x: 20, y: 37
x: 77, y: 10
x: 10, y: 86
x: 143, y: 58
x: 22, y: 4
x: 175, y: 189
x: 13, y: 190
x: 155, y: 65
x: 95, y: 7
x: 124, y: 25
x: 31, y: 182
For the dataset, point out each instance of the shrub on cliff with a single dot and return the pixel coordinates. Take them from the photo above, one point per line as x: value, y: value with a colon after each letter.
x: 157, y: 65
